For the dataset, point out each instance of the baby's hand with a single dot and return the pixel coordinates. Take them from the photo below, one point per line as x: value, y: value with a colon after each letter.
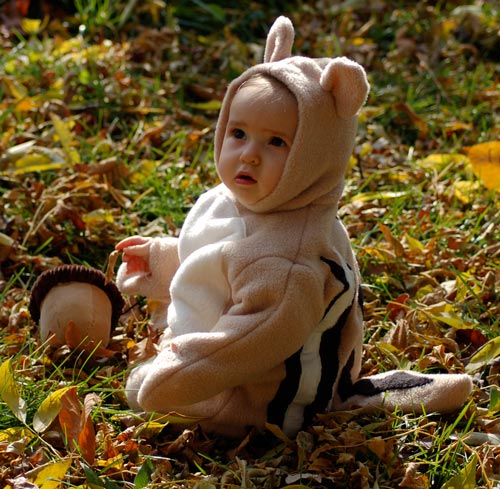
x: 135, y: 251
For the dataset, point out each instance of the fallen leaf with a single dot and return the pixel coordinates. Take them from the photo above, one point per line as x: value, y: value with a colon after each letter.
x: 487, y: 353
x: 77, y: 425
x: 413, y: 478
x: 51, y: 476
x: 378, y: 446
x: 465, y: 479
x: 439, y: 161
x: 48, y: 410
x: 466, y: 191
x: 63, y: 131
x: 381, y: 195
x: 9, y: 391
x: 396, y: 244
x: 76, y: 341
x: 485, y: 159
x: 416, y: 120
x: 414, y: 244
x: 12, y: 434
x: 21, y: 482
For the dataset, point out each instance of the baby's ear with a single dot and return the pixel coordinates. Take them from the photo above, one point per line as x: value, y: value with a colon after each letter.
x: 279, y: 40
x: 347, y: 81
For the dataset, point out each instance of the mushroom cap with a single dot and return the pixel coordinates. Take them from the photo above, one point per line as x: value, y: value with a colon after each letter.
x: 66, y: 274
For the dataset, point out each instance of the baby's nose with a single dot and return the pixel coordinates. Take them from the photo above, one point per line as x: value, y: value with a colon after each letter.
x: 250, y: 154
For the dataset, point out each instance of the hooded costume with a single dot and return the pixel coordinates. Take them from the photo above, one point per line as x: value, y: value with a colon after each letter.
x: 262, y: 309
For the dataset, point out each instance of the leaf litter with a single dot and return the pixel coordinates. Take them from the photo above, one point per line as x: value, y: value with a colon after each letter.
x: 103, y: 138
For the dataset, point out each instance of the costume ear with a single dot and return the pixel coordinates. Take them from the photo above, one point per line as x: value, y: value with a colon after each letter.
x: 279, y: 40
x: 347, y: 81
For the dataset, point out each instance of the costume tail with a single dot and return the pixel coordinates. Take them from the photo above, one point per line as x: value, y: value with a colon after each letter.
x: 407, y: 391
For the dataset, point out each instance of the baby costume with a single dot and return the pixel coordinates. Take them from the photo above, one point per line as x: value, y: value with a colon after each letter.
x: 264, y: 320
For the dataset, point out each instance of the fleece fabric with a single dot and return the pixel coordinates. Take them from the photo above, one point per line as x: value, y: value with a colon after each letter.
x: 262, y: 318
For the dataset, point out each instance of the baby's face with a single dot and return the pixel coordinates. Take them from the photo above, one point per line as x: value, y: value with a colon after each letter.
x: 257, y: 142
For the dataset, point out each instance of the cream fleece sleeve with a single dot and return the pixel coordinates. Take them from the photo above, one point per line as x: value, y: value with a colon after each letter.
x: 276, y: 305
x: 163, y: 263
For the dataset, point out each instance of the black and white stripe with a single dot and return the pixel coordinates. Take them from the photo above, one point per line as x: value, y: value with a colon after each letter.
x: 312, y: 371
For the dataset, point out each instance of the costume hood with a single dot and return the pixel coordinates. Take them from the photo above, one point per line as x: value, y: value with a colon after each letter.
x: 329, y: 94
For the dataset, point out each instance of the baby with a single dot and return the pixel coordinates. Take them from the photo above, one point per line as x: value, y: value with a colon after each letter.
x: 261, y: 308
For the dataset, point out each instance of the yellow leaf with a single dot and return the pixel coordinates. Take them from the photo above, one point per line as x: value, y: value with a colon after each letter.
x: 31, y: 26
x: 143, y: 171
x: 366, y: 148
x: 13, y: 434
x: 67, y: 45
x: 488, y: 352
x: 465, y: 191
x: 64, y: 133
x: 15, y: 89
x: 440, y: 161
x: 48, y: 410
x: 353, y: 161
x: 414, y: 244
x: 382, y: 195
x: 485, y: 159
x: 27, y: 157
x: 380, y: 253
x: 10, y: 66
x: 115, y: 462
x: 360, y: 41
x: 465, y: 479
x: 38, y: 161
x: 26, y: 104
x: 98, y: 217
x: 51, y: 476
x: 32, y: 162
x: 9, y: 392
x: 447, y: 313
x: 454, y: 320
x: 210, y: 105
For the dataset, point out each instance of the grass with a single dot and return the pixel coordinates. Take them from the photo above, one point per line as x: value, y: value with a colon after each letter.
x: 425, y: 231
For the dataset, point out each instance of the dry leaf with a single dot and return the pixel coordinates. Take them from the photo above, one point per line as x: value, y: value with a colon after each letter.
x: 48, y: 410
x: 413, y: 478
x: 396, y: 244
x: 9, y: 391
x: 52, y: 475
x: 485, y: 159
x: 77, y: 425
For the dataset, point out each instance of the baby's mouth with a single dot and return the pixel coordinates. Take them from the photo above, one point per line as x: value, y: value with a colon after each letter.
x: 243, y: 178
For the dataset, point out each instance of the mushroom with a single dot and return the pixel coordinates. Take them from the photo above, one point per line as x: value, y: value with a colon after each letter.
x: 79, y: 295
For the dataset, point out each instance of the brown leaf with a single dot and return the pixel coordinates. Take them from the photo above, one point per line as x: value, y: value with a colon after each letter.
x: 77, y: 425
x: 397, y: 307
x: 76, y: 341
x: 142, y: 350
x: 398, y: 247
x: 398, y: 335
x: 417, y: 121
x: 413, y: 478
x: 86, y: 440
x: 20, y: 482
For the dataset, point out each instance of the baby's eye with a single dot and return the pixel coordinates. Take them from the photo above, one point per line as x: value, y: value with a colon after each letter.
x: 238, y: 133
x: 277, y: 141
